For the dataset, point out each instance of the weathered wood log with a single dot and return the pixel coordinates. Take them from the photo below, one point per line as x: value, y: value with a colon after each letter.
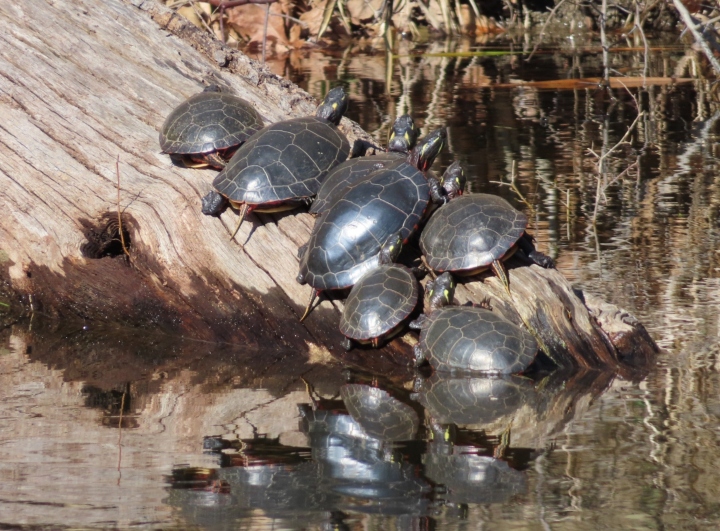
x: 84, y: 83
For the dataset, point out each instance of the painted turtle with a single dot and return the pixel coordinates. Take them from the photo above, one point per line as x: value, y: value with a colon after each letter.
x: 378, y: 305
x: 381, y: 415
x: 207, y: 128
x: 347, y: 238
x: 283, y: 165
x: 402, y: 139
x: 469, y: 339
x: 475, y: 232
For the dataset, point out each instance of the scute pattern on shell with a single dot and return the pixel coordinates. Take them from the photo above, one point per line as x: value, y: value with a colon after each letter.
x: 347, y: 238
x: 347, y: 174
x: 381, y: 415
x: 207, y: 122
x: 283, y: 161
x: 379, y: 302
x: 460, y: 338
x: 471, y: 232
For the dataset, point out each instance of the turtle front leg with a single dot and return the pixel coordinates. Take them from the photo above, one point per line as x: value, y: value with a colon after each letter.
x: 437, y: 192
x: 213, y: 204
x: 214, y: 160
x: 528, y: 248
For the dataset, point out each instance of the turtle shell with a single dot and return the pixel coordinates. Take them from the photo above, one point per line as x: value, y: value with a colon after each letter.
x: 207, y: 122
x: 348, y: 173
x: 471, y: 232
x: 381, y: 415
x: 461, y: 338
x: 347, y: 238
x: 283, y: 161
x: 379, y: 302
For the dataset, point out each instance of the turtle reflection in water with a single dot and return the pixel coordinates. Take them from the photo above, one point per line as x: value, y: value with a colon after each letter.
x: 474, y: 400
x: 207, y: 128
x: 468, y: 476
x: 353, y: 464
x: 382, y: 416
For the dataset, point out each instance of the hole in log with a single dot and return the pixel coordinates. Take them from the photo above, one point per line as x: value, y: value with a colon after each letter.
x: 103, y: 237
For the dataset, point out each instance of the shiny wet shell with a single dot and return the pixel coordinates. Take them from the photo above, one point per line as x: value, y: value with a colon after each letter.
x: 379, y: 302
x: 471, y: 232
x: 283, y: 161
x: 208, y: 122
x: 461, y: 338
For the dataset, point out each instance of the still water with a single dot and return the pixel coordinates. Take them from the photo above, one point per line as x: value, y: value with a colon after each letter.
x: 175, y: 434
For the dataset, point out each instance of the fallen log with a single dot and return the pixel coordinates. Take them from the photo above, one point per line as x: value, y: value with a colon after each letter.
x: 85, y: 84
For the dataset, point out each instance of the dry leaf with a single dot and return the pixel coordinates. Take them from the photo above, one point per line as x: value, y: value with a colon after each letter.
x: 249, y: 22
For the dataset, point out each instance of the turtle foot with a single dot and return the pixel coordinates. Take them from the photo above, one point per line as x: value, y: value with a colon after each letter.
x: 213, y: 204
x: 541, y: 259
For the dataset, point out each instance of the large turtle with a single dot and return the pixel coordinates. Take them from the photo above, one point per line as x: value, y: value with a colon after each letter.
x: 475, y: 232
x: 469, y: 339
x: 283, y: 165
x: 207, y: 128
x: 347, y: 238
x: 402, y: 139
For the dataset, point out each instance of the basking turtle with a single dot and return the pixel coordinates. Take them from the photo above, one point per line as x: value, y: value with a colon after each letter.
x: 207, y: 128
x: 347, y: 238
x: 378, y: 305
x: 402, y: 139
x: 469, y: 339
x: 282, y: 166
x: 475, y: 232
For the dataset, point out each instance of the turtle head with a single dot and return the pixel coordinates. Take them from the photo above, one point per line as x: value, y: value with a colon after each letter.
x: 212, y: 88
x: 423, y: 156
x: 391, y: 249
x: 440, y: 291
x: 404, y: 134
x: 333, y: 106
x: 454, y: 180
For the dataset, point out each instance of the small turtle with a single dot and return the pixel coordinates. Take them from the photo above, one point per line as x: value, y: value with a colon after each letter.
x: 475, y: 232
x: 347, y: 238
x: 469, y: 339
x: 380, y: 414
x: 402, y: 139
x: 282, y: 166
x: 207, y: 128
x: 378, y: 305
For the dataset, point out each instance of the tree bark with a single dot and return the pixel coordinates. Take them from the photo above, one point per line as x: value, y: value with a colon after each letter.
x: 84, y: 82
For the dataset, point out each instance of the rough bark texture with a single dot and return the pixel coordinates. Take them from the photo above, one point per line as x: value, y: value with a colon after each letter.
x: 85, y: 82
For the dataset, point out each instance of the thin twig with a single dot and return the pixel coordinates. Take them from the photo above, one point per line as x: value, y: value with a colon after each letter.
x: 544, y: 27
x: 120, y: 227
x: 514, y: 188
x: 690, y: 23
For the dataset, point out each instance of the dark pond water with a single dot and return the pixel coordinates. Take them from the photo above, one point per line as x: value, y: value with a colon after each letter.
x: 187, y: 435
